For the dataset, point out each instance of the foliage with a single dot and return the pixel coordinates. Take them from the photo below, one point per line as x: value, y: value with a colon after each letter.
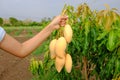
x: 13, y: 21
x: 7, y: 24
x: 34, y: 23
x: 95, y: 47
x: 45, y: 21
x: 1, y: 21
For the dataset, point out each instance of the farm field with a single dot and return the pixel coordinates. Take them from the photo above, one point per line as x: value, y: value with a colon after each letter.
x: 14, y: 68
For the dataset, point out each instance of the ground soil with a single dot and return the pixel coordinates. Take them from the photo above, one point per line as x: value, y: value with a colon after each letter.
x: 14, y: 68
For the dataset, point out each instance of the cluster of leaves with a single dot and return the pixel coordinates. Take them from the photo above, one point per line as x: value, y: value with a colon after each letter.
x: 15, y: 22
x: 95, y: 47
x: 1, y: 21
x: 96, y: 42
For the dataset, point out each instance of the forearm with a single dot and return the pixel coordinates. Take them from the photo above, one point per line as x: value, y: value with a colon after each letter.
x: 36, y: 41
x: 16, y: 48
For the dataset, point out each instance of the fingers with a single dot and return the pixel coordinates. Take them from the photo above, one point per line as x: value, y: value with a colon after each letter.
x: 59, y: 21
x: 65, y: 17
x: 63, y: 20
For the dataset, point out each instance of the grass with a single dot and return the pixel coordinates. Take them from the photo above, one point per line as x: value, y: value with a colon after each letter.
x: 28, y: 31
x: 42, y: 48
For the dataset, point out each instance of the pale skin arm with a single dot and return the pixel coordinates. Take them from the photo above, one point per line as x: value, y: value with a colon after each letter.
x: 18, y: 49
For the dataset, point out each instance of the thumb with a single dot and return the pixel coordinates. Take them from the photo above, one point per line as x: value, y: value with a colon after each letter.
x: 64, y: 17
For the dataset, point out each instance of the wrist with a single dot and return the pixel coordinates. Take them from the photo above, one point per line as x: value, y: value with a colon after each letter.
x: 51, y: 27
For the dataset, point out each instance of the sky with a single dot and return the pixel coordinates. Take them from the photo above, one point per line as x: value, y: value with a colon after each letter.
x: 39, y: 9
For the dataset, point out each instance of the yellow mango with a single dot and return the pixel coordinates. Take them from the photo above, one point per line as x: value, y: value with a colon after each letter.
x: 60, y: 47
x: 68, y: 33
x: 59, y: 63
x: 52, y: 48
x: 68, y: 63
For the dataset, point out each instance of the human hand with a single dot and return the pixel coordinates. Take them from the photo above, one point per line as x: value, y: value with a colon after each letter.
x: 58, y: 21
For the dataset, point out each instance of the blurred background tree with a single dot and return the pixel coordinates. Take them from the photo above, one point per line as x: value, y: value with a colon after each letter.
x: 1, y: 21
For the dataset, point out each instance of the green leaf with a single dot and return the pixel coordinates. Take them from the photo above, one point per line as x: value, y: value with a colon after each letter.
x: 102, y: 35
x: 111, y: 41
